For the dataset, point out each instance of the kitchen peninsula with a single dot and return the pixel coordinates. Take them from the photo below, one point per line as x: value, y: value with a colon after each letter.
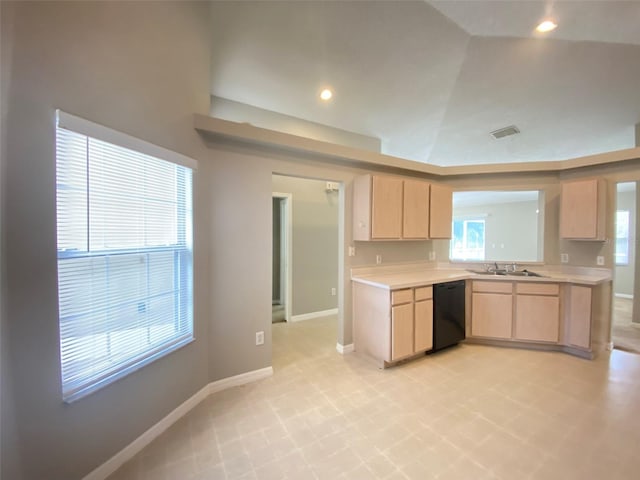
x: 565, y: 309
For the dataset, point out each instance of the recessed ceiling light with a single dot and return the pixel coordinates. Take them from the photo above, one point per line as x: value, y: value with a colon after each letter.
x: 326, y: 94
x: 546, y: 26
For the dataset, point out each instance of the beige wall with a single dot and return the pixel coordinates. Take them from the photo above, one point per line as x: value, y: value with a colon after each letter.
x: 314, y: 244
x: 141, y: 68
x: 511, y: 229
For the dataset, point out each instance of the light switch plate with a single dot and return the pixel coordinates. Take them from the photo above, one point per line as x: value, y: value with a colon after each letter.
x: 564, y: 258
x: 432, y: 256
x: 352, y: 251
x: 378, y: 259
x: 600, y: 260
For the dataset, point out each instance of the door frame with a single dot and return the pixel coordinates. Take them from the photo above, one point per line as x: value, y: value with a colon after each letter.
x: 636, y: 287
x: 286, y: 256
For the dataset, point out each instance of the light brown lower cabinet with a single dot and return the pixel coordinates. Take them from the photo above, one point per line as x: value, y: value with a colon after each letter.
x: 524, y: 311
x: 491, y: 315
x: 537, y: 312
x: 537, y: 318
x: 411, y: 322
x: 392, y: 325
x: 401, y: 331
x: 423, y: 322
x: 580, y: 316
x: 491, y: 309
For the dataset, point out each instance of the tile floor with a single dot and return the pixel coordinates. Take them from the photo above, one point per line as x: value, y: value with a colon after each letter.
x: 472, y: 412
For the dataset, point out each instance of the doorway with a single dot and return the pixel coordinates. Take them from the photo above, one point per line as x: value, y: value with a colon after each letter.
x: 315, y: 258
x: 625, y: 327
x: 281, y: 254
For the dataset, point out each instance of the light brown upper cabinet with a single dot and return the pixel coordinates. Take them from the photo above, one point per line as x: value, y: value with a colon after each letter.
x: 582, y: 210
x: 415, y: 203
x: 441, y: 211
x: 377, y: 208
x: 396, y: 208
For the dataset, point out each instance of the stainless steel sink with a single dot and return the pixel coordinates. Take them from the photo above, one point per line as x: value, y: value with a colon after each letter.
x: 525, y: 273
x: 487, y: 272
x: 520, y: 273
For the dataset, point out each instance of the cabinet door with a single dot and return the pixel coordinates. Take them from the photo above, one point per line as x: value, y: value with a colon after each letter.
x: 386, y: 207
x: 491, y: 315
x: 415, y: 201
x: 401, y: 331
x: 581, y: 210
x: 423, y: 335
x: 537, y: 318
x: 441, y: 211
x: 580, y: 316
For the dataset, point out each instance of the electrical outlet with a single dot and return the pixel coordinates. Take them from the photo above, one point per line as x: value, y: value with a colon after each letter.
x: 600, y: 260
x: 352, y: 251
x: 333, y: 292
x: 432, y: 256
x: 564, y: 258
x: 259, y: 338
x: 378, y: 259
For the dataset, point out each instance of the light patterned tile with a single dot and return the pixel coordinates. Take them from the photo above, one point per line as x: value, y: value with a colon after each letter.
x: 469, y: 412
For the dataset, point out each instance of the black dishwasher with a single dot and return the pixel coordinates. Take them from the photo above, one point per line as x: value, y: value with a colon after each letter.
x: 448, y: 314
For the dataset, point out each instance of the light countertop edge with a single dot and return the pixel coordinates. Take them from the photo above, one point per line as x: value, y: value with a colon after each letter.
x: 393, y: 281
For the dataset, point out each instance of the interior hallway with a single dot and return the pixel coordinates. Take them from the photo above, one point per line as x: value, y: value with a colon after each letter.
x: 625, y: 335
x: 473, y: 412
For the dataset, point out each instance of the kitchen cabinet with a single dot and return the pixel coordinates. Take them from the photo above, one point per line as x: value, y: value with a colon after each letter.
x: 441, y: 211
x: 415, y: 208
x: 377, y: 207
x: 579, y: 316
x: 524, y: 311
x: 423, y: 319
x: 492, y: 309
x: 392, y: 325
x: 398, y: 208
x: 582, y: 209
x: 537, y: 312
x: 401, y: 331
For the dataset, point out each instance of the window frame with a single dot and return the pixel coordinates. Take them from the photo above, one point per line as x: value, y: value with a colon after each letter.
x: 182, y: 258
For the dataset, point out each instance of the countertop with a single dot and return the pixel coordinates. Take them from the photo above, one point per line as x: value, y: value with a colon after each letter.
x: 407, y: 276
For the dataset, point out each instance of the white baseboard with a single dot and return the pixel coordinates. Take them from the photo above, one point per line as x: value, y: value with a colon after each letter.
x: 241, y: 379
x: 344, y: 349
x: 623, y: 295
x: 309, y: 316
x: 128, y: 452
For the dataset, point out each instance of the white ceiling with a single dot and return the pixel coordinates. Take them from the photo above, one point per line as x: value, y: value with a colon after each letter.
x: 432, y: 79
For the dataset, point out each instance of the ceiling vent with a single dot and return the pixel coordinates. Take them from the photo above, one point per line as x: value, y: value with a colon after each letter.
x: 505, y: 132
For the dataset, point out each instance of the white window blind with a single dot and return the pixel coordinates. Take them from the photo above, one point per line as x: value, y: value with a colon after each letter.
x: 124, y: 222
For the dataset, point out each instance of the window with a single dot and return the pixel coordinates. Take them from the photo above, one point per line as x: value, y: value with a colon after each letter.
x: 622, y: 237
x: 124, y: 255
x: 467, y: 242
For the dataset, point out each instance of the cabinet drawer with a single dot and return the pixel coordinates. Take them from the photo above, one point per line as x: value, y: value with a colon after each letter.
x: 538, y: 288
x: 424, y: 293
x: 401, y: 296
x: 492, y: 287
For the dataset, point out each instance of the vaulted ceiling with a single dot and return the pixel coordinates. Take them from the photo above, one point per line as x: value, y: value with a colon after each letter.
x: 432, y: 79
